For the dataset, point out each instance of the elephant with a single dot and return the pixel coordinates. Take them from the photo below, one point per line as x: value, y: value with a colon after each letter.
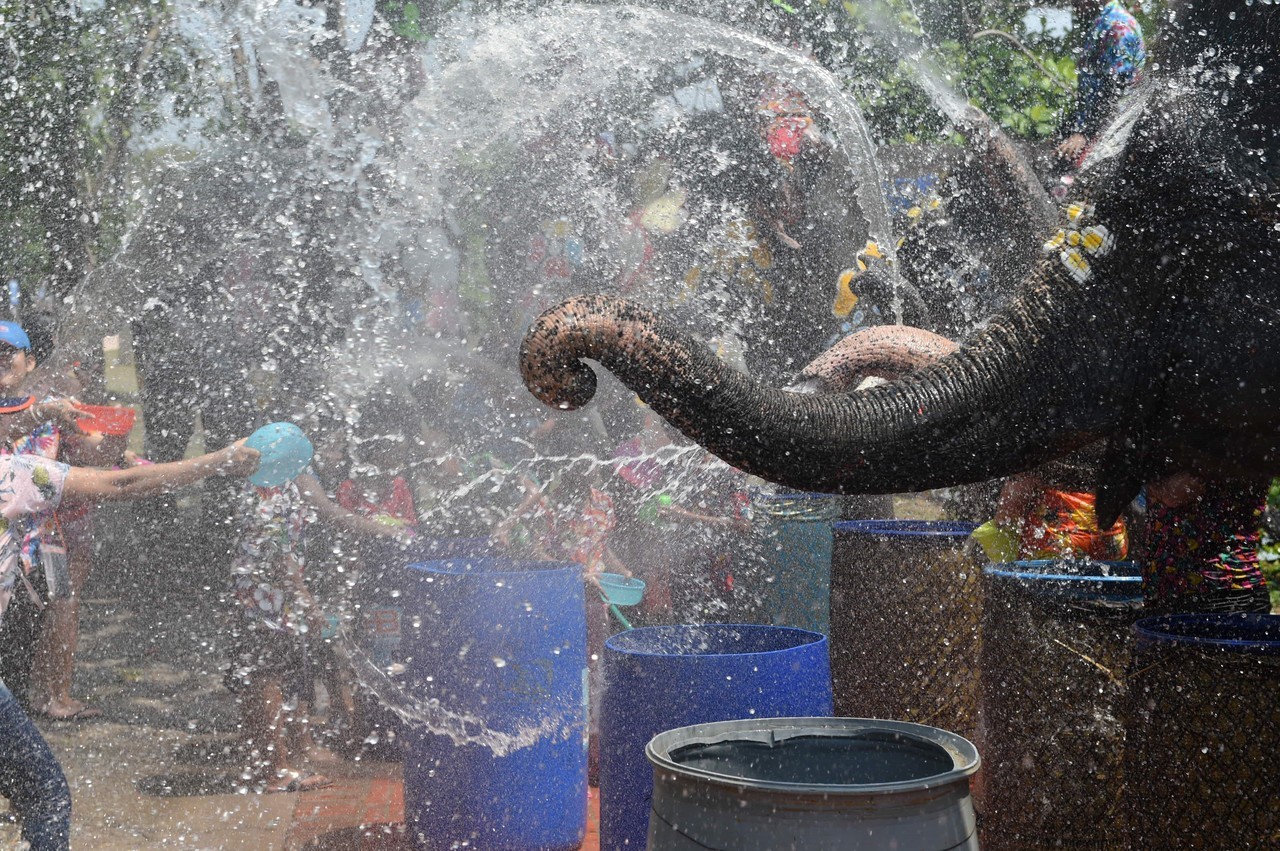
x: 1150, y: 323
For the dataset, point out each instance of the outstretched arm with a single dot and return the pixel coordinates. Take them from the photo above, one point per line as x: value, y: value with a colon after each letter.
x: 313, y: 494
x: 86, y: 485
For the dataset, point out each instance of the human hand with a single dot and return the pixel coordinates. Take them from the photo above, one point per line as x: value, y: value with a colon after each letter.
x: 1070, y: 147
x: 238, y: 459
x: 62, y: 412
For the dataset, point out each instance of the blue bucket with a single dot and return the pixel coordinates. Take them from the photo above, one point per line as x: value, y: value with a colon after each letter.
x: 505, y: 642
x: 794, y: 531
x: 662, y: 677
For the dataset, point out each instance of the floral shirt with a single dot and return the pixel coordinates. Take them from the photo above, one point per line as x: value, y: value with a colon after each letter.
x: 270, y: 556
x: 1064, y: 524
x: 1111, y: 59
x: 587, y: 535
x: 30, y: 485
x: 42, y: 542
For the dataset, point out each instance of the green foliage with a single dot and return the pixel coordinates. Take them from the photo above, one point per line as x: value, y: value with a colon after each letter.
x: 65, y: 109
x: 1269, y: 547
x: 881, y: 51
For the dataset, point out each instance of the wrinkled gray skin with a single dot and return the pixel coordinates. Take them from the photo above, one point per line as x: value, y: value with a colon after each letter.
x: 1170, y: 351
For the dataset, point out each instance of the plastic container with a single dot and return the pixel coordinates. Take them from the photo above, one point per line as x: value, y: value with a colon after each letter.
x: 380, y: 604
x: 503, y: 642
x: 817, y: 784
x: 379, y: 590
x: 793, y: 534
x: 906, y: 606
x: 621, y: 590
x: 1203, y: 748
x: 662, y: 677
x: 1055, y: 651
x: 286, y: 452
x: 106, y: 419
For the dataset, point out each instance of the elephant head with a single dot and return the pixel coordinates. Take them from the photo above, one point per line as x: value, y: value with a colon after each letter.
x: 1156, y: 334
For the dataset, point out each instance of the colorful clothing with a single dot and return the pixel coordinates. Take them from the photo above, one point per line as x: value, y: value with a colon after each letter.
x: 42, y: 542
x: 1206, y: 549
x: 586, y: 536
x: 396, y: 507
x: 1111, y: 59
x: 270, y: 557
x: 29, y: 485
x: 1064, y: 524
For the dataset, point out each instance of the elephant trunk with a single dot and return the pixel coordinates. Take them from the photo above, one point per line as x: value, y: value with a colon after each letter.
x: 990, y: 409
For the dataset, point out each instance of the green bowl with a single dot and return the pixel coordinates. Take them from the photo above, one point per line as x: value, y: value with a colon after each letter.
x: 620, y: 590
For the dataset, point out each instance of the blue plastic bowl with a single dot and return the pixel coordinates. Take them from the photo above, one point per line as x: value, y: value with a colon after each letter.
x: 285, y: 450
x: 620, y: 590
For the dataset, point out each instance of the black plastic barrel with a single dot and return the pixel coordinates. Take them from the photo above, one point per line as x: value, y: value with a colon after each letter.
x: 1054, y: 655
x: 905, y: 606
x: 811, y: 784
x: 1203, y: 750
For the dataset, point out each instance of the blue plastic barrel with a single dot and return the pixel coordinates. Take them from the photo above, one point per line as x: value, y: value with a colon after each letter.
x: 504, y: 642
x: 382, y: 574
x: 794, y: 533
x: 662, y: 677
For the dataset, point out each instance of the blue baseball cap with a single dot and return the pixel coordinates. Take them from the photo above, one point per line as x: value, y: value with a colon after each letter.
x: 12, y: 333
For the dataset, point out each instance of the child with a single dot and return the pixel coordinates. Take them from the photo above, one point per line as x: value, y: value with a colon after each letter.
x: 281, y: 624
x: 54, y: 663
x: 46, y: 577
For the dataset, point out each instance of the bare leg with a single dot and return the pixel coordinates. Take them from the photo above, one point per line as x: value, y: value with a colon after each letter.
x: 54, y: 664
x: 266, y: 720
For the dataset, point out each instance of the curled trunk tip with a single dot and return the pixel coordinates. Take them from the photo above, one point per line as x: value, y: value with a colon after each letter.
x: 552, y: 351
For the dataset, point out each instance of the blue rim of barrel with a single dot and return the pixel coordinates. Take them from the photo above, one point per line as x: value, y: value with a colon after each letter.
x: 1113, y: 580
x: 906, y: 528
x: 963, y: 753
x: 1252, y: 634
x: 800, y: 638
x: 762, y: 494
x: 461, y: 566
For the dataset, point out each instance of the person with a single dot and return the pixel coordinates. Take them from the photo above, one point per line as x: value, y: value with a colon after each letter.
x: 30, y: 776
x: 45, y: 556
x: 1112, y: 57
x: 53, y: 663
x: 280, y: 623
x: 1200, y: 546
x: 1050, y: 512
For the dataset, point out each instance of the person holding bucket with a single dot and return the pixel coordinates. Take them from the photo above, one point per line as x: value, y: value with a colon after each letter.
x: 272, y: 656
x: 30, y: 776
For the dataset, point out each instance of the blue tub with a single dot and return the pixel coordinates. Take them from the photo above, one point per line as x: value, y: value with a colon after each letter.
x: 663, y: 677
x: 503, y: 641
